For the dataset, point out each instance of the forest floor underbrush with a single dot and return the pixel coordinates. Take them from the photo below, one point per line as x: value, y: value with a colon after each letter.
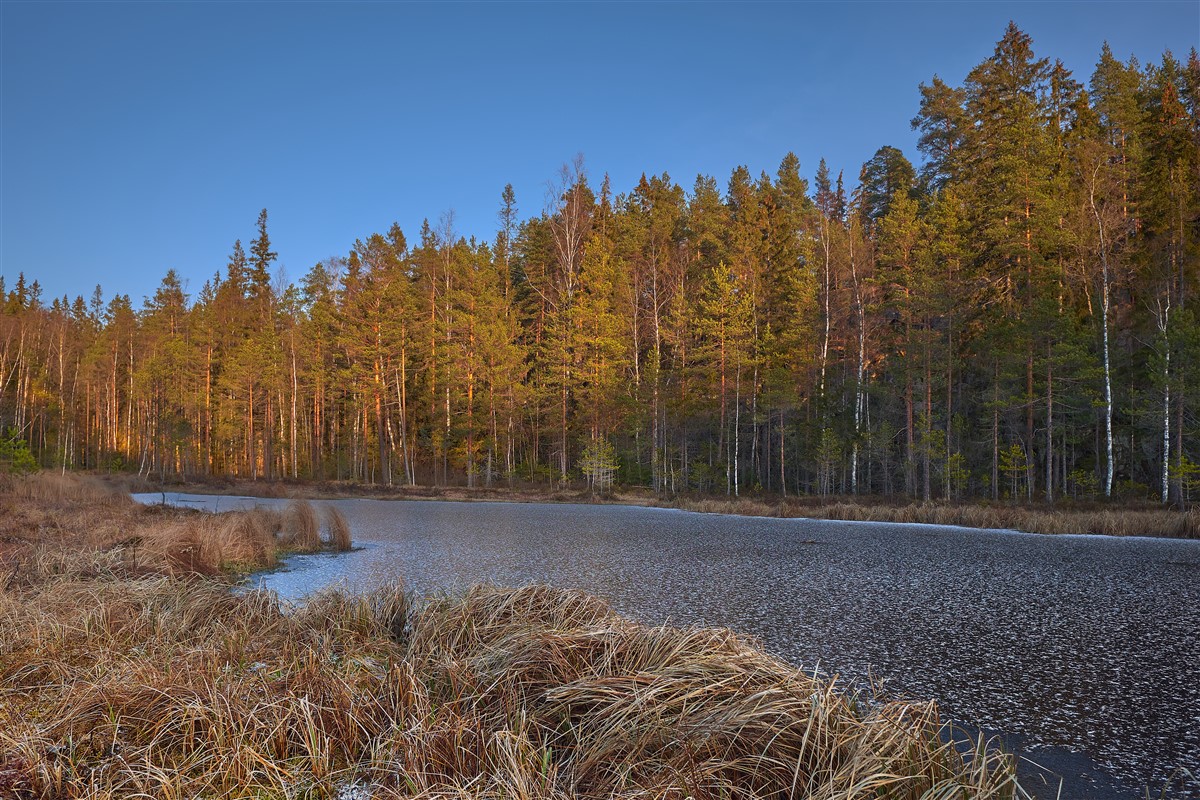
x: 128, y: 668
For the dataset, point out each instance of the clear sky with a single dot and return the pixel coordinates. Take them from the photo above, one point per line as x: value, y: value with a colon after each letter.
x: 137, y: 137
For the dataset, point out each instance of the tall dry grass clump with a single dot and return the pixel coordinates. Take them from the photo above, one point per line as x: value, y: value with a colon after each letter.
x: 301, y: 527
x: 169, y: 688
x: 239, y: 541
x: 243, y: 539
x: 339, y: 529
x: 235, y: 541
x: 63, y: 514
x: 178, y: 547
x: 64, y: 490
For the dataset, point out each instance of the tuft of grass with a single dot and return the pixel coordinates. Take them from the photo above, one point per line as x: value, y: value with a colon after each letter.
x: 301, y: 527
x: 166, y: 687
x: 339, y: 529
x: 45, y: 517
x: 243, y: 540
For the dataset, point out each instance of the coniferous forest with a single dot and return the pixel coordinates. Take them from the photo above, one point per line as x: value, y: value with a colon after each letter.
x: 1013, y: 316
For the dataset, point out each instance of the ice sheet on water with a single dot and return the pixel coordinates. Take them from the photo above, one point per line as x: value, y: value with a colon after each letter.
x: 1082, y: 642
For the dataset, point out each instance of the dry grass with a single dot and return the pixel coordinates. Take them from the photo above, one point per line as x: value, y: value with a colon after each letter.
x: 236, y: 542
x: 1109, y: 522
x: 302, y: 527
x: 339, y: 529
x: 124, y: 674
x: 65, y: 490
x: 171, y: 688
x: 53, y: 513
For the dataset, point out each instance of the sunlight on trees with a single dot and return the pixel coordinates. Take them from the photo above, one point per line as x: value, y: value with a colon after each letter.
x: 1014, y: 317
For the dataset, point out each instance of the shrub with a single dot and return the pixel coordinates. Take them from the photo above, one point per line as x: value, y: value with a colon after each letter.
x: 15, y: 458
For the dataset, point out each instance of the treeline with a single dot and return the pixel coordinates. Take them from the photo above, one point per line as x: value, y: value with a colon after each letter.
x: 1014, y: 319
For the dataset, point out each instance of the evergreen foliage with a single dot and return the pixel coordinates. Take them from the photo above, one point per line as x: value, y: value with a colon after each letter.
x: 1014, y: 318
x: 15, y: 458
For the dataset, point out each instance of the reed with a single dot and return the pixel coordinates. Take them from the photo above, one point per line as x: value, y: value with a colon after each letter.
x: 301, y: 527
x: 339, y: 529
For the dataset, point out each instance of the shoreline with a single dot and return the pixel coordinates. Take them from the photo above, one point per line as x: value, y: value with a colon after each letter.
x: 1066, y: 518
x: 150, y: 677
x: 1041, y: 769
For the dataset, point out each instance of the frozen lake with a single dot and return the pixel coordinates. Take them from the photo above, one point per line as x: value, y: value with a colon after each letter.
x: 1066, y: 645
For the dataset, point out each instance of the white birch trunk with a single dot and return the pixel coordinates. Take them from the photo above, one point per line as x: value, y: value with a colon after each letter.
x: 1104, y: 310
x: 859, y: 399
x: 1163, y: 320
x: 1166, y: 464
x: 825, y: 245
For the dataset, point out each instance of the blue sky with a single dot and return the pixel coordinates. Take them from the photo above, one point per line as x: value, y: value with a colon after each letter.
x: 138, y: 137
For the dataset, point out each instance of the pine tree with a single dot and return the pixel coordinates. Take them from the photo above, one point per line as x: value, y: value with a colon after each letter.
x: 887, y: 173
x: 259, y: 271
x: 944, y: 127
x: 1008, y: 156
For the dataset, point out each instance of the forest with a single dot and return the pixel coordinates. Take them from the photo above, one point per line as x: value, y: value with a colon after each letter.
x: 1011, y: 317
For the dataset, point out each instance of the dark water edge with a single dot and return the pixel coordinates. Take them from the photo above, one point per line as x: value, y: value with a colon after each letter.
x: 1047, y: 773
x: 1083, y: 651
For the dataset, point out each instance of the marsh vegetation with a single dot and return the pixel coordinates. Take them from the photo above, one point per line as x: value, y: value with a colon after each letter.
x: 130, y: 670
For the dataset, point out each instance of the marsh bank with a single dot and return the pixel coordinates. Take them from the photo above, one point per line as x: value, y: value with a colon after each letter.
x: 1082, y: 643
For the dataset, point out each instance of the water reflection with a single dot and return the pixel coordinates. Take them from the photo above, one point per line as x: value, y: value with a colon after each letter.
x: 1085, y: 643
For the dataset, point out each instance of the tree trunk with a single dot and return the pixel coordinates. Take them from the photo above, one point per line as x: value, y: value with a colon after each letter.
x: 859, y: 396
x: 1104, y: 311
x: 926, y: 491
x: 996, y: 434
x: 1049, y: 429
x: 737, y: 416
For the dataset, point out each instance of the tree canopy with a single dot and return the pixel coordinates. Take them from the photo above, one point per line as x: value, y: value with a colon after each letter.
x: 1014, y: 317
